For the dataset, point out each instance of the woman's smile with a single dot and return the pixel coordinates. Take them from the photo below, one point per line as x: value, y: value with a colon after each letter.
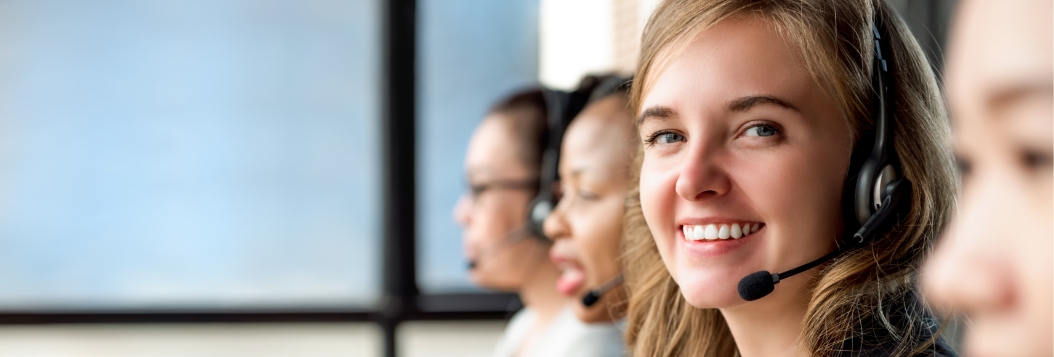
x: 713, y: 237
x: 722, y: 231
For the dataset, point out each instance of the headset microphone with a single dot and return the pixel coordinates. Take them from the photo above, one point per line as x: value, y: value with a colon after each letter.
x: 510, y: 239
x: 591, y: 298
x: 760, y: 284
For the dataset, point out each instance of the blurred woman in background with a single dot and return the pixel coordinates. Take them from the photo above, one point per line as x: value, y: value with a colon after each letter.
x: 503, y: 167
x: 756, y: 119
x: 586, y: 226
x: 995, y: 262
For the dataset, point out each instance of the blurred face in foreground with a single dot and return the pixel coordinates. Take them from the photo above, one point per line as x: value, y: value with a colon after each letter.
x: 994, y: 264
x: 586, y: 225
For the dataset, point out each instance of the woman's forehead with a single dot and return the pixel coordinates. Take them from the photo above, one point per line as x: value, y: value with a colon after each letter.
x: 736, y: 57
x: 598, y: 144
x: 493, y: 151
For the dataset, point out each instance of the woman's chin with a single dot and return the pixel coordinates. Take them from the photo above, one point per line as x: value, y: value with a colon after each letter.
x: 712, y: 299
x: 704, y: 293
x: 488, y: 281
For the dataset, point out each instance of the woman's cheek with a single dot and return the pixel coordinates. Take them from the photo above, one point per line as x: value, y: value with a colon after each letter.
x: 610, y: 224
x: 657, y: 201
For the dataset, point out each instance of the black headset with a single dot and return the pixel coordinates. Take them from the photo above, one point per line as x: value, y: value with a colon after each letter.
x: 562, y: 108
x: 878, y: 188
x: 875, y: 197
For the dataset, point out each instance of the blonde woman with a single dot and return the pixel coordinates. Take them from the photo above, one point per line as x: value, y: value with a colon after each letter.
x: 759, y: 122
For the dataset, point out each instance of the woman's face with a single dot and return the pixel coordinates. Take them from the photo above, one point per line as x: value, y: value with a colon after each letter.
x: 495, y: 210
x: 994, y: 263
x: 586, y: 225
x: 739, y: 141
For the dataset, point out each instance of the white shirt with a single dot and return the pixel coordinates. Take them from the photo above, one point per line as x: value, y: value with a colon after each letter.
x: 566, y: 336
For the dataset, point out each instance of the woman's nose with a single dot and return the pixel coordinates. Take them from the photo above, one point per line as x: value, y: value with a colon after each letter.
x: 462, y: 209
x: 701, y: 176
x: 555, y: 225
x: 967, y: 271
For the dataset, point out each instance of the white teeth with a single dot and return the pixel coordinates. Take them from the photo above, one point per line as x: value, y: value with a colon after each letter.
x: 723, y: 231
x: 711, y: 231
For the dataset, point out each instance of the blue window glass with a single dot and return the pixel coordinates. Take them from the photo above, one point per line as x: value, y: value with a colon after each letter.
x: 189, y: 153
x: 470, y: 54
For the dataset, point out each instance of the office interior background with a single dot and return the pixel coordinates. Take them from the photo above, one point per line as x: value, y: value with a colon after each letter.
x: 269, y: 177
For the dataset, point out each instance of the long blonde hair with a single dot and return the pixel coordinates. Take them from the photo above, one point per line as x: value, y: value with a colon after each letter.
x: 860, y: 287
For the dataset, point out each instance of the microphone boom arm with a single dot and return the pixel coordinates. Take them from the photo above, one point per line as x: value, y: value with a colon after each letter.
x: 760, y: 284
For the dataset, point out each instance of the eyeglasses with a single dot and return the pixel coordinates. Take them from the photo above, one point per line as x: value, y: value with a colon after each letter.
x: 478, y: 189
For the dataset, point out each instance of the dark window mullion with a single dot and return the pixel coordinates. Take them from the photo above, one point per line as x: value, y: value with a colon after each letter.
x: 399, y: 142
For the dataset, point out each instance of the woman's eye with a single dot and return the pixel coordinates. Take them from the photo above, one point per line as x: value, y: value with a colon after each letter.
x: 1035, y: 160
x: 664, y: 137
x: 670, y: 138
x: 965, y: 166
x: 761, y: 130
x: 586, y: 195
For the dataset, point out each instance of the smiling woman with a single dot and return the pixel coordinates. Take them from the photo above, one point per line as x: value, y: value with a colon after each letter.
x: 756, y: 118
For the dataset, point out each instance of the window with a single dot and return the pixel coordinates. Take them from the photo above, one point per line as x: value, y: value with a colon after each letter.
x: 189, y: 154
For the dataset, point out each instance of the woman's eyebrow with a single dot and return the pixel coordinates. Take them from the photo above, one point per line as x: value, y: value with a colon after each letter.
x: 741, y: 104
x: 1002, y: 96
x: 578, y: 172
x: 745, y: 103
x: 656, y: 112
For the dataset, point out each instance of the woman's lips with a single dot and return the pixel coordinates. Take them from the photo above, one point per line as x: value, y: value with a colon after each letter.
x: 714, y: 231
x: 570, y: 280
x: 704, y: 246
x: 572, y: 276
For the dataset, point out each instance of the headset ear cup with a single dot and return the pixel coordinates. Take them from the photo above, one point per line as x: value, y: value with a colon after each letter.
x: 864, y: 203
x: 537, y: 212
x: 885, y: 177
